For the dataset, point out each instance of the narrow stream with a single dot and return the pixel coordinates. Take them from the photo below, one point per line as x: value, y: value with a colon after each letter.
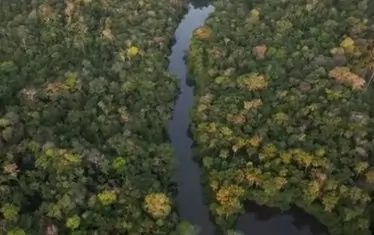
x: 190, y: 197
x: 259, y: 220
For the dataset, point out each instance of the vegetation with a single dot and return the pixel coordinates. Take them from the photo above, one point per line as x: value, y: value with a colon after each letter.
x: 84, y: 97
x: 283, y: 113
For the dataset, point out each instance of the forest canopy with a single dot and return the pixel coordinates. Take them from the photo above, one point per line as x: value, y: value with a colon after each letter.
x: 84, y: 99
x: 284, y: 108
x: 283, y: 114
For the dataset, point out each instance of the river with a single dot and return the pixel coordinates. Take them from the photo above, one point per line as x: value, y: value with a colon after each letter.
x: 259, y: 220
x: 190, y: 197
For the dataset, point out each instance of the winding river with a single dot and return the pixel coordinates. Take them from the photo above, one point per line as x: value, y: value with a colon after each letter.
x: 259, y: 220
x: 190, y: 197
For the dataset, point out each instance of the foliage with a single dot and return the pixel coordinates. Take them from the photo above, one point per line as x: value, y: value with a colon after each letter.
x: 184, y: 228
x: 283, y: 113
x: 84, y: 98
x: 157, y: 205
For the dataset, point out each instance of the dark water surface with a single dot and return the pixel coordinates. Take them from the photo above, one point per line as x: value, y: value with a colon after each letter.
x: 190, y: 197
x: 259, y: 220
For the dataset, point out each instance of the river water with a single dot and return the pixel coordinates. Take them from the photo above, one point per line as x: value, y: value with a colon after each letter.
x: 259, y: 220
x: 190, y: 197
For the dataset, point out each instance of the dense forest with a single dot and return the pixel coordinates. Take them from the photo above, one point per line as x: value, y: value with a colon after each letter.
x: 84, y: 98
x: 284, y: 114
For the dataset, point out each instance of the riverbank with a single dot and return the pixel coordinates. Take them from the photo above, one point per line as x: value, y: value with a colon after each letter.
x: 283, y: 112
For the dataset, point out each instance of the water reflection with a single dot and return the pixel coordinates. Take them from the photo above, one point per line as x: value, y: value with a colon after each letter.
x: 261, y: 220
